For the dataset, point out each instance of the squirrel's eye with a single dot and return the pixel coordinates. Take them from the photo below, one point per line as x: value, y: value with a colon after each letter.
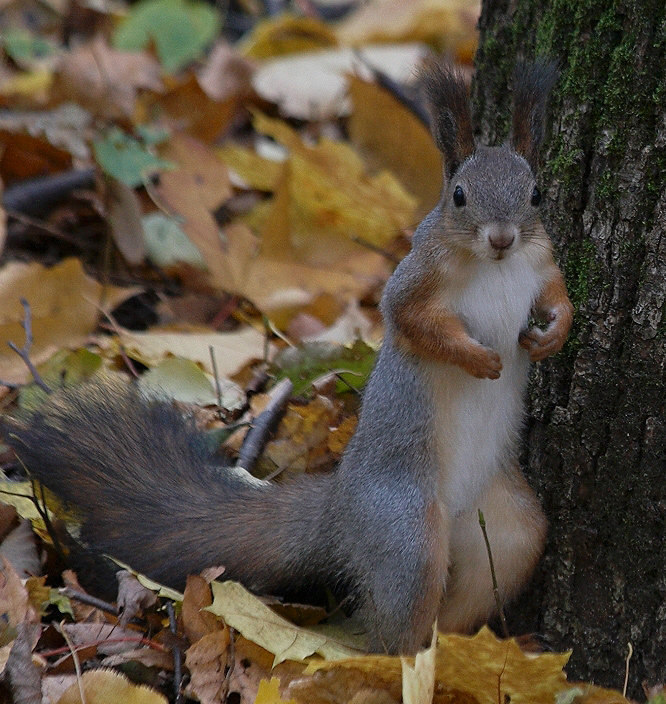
x: 459, y: 197
x: 536, y: 197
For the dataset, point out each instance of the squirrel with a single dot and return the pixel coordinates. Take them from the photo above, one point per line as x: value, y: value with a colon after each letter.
x: 396, y: 524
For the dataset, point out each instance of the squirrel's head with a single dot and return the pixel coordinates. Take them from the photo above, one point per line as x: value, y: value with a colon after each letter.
x: 490, y: 199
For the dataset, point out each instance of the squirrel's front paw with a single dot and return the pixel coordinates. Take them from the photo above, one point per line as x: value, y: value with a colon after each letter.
x: 542, y: 343
x: 482, y: 362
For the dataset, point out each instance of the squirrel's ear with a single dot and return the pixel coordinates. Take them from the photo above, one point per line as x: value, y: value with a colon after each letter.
x: 532, y: 82
x: 447, y: 95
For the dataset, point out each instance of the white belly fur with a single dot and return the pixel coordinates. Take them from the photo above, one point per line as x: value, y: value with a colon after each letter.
x: 478, y: 421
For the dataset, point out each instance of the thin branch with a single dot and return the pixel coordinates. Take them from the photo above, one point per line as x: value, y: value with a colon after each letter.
x: 24, y: 352
x: 177, y: 655
x: 218, y: 390
x: 89, y: 600
x: 498, y: 601
x: 374, y: 248
x: 263, y: 425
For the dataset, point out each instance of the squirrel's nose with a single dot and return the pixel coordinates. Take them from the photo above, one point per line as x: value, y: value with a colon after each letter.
x: 501, y: 240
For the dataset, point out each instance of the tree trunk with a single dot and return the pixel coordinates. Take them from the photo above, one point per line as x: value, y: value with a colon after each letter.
x: 595, y: 445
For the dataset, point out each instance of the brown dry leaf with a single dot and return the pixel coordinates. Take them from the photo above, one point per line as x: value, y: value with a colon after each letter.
x: 186, y: 104
x: 340, y: 437
x: 287, y: 34
x: 450, y: 25
x: 207, y: 660
x: 193, y: 190
x: 198, y: 623
x: 226, y: 73
x: 133, y: 597
x: 27, y: 156
x: 344, y: 686
x: 104, y: 80
x: 110, y: 687
x: 395, y: 139
x: 109, y: 638
x: 146, y: 656
x: 14, y: 598
x: 123, y: 211
x: 63, y: 300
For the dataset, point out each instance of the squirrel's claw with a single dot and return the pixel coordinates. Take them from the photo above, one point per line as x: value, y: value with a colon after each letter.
x: 542, y: 343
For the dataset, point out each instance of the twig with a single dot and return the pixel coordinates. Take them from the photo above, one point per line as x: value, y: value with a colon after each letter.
x: 374, y: 248
x: 141, y: 641
x: 218, y: 391
x: 498, y: 601
x: 77, y: 663
x: 45, y: 227
x: 24, y: 352
x: 626, y: 670
x: 89, y: 600
x: 264, y: 425
x: 177, y: 656
x: 36, y: 195
x: 396, y: 90
x: 116, y: 328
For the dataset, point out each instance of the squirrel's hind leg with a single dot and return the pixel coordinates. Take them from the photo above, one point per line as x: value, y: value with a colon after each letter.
x: 402, y: 589
x: 516, y: 528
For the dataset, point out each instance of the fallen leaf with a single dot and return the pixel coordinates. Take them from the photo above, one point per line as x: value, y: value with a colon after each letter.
x: 197, y: 622
x: 193, y: 190
x: 232, y: 349
x: 450, y: 25
x: 323, y: 198
x: 133, y: 597
x: 110, y: 687
x: 180, y: 30
x: 243, y: 611
x: 14, y: 598
x: 226, y: 73
x: 64, y: 311
x: 106, y: 81
x: 286, y: 34
x: 123, y: 213
x: 19, y: 548
x: 269, y: 693
x: 207, y: 660
x: 401, y: 144
x: 314, y: 85
x: 418, y: 679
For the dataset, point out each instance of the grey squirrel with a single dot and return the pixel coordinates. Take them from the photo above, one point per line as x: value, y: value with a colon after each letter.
x: 396, y: 524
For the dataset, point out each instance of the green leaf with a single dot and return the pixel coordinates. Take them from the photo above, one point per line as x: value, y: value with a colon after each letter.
x: 126, y: 158
x: 180, y: 30
x: 167, y: 244
x: 63, y: 369
x: 310, y: 361
x: 24, y: 47
x: 180, y: 379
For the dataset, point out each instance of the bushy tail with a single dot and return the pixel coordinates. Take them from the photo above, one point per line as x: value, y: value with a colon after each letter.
x: 152, y: 495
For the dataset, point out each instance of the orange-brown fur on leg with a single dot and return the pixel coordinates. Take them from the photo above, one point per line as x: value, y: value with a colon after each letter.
x: 516, y: 529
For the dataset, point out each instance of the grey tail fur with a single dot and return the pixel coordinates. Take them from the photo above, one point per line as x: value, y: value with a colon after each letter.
x: 152, y: 494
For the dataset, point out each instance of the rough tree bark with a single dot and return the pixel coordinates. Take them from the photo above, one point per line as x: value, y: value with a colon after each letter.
x: 596, y: 433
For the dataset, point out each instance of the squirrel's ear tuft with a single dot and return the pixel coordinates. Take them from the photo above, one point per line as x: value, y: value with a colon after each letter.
x: 532, y: 83
x: 447, y: 94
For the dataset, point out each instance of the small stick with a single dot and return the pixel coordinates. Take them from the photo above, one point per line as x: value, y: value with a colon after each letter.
x: 89, y: 600
x: 263, y: 425
x: 626, y: 670
x: 77, y: 663
x: 218, y: 391
x: 374, y: 248
x: 24, y: 352
x: 177, y: 657
x: 482, y: 523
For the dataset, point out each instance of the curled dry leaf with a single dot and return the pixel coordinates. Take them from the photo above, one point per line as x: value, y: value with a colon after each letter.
x: 133, y: 597
x: 106, y: 81
x: 197, y: 622
x: 207, y: 661
x: 14, y: 598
